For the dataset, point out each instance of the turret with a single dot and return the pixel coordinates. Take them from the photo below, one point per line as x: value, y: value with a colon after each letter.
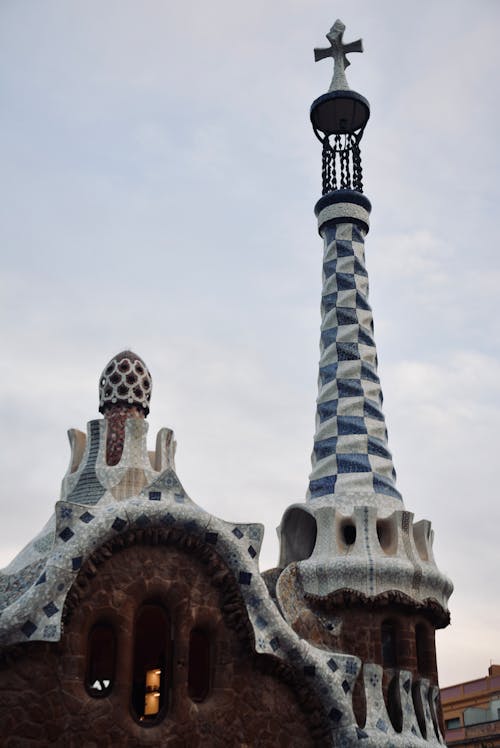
x: 359, y: 574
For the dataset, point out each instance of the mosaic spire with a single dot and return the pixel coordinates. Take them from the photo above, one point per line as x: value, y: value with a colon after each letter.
x: 351, y: 454
x: 350, y: 444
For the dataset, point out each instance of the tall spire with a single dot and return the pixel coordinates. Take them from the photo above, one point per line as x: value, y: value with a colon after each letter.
x: 357, y: 571
x: 350, y: 453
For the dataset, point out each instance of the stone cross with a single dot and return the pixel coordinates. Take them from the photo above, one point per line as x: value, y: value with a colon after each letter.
x: 338, y: 51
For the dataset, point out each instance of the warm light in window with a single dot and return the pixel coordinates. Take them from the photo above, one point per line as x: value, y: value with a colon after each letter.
x: 152, y: 695
x: 153, y: 680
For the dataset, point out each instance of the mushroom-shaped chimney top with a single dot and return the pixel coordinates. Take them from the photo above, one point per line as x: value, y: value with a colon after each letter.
x: 125, y: 381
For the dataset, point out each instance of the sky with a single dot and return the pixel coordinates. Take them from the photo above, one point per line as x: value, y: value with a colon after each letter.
x: 159, y: 174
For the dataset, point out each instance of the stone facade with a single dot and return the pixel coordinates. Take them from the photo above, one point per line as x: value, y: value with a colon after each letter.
x: 253, y: 699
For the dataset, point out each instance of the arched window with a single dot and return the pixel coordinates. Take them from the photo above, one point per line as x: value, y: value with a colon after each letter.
x: 101, y: 660
x: 199, y: 664
x: 152, y: 663
x: 389, y: 644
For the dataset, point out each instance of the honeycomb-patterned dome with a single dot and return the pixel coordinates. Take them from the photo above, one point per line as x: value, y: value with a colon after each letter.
x: 125, y: 381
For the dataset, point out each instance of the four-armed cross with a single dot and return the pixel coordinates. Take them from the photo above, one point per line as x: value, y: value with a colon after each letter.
x: 338, y: 51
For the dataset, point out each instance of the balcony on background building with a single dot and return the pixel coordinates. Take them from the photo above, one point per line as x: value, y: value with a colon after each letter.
x: 472, y: 711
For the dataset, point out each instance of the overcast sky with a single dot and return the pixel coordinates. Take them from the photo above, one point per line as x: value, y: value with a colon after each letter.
x: 159, y: 175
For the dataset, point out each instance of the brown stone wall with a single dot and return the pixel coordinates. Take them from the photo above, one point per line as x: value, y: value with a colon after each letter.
x: 360, y: 634
x: 253, y: 700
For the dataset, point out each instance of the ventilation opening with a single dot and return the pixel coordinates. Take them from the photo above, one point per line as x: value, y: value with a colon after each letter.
x: 419, y: 707
x: 359, y: 701
x: 422, y: 537
x: 349, y: 533
x: 394, y: 704
x: 298, y: 536
x: 434, y: 705
x: 152, y: 660
x: 101, y: 660
x: 199, y: 664
x: 386, y: 536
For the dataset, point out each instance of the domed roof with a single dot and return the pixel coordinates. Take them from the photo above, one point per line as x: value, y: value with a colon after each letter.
x: 125, y: 381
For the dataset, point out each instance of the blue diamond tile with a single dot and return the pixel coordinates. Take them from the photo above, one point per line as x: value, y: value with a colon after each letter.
x: 361, y: 733
x: 66, y: 534
x: 381, y: 725
x: 332, y: 665
x: 42, y: 579
x: 28, y: 628
x: 76, y: 562
x: 154, y: 495
x: 237, y: 533
x: 260, y: 622
x: 50, y: 609
x: 275, y: 643
x: 346, y: 686
x: 310, y: 671
x: 351, y: 667
x: 252, y: 552
x: 118, y: 524
x: 211, y: 538
x: 244, y: 577
x: 335, y: 715
x: 406, y: 685
x: 142, y: 521
x: 49, y: 630
x: 86, y: 517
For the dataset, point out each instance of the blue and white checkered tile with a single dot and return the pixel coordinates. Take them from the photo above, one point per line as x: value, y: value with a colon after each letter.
x: 351, y: 436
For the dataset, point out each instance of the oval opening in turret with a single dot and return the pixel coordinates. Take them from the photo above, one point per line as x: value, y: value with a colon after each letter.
x: 386, y: 536
x: 348, y: 531
x: 298, y: 536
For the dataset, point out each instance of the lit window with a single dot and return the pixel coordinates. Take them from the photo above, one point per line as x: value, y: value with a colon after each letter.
x: 151, y: 660
x: 199, y: 664
x: 101, y: 653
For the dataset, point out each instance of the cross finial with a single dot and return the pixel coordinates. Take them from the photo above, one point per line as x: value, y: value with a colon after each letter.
x: 338, y: 50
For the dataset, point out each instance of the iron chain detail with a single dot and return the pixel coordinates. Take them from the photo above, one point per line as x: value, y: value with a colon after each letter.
x: 341, y: 162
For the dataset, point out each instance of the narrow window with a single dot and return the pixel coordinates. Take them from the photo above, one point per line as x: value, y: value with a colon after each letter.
x: 199, y: 664
x: 101, y: 659
x: 422, y: 649
x: 389, y: 652
x: 151, y: 661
